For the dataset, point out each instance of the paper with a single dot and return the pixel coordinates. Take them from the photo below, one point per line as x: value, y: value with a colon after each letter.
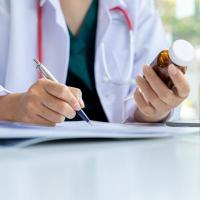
x: 75, y: 130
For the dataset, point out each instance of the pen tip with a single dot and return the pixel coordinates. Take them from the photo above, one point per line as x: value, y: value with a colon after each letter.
x: 90, y: 123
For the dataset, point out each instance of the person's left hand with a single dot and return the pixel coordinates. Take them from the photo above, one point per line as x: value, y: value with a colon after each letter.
x: 154, y: 99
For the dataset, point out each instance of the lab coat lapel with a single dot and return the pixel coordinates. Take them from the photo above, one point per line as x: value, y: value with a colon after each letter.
x: 56, y: 43
x: 103, y: 22
x: 107, y: 92
x: 104, y: 18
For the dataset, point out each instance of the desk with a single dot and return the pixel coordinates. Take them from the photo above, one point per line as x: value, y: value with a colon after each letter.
x: 162, y: 169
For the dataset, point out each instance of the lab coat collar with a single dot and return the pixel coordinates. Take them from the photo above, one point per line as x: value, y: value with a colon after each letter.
x: 104, y: 17
x: 112, y: 2
x: 104, y: 7
x: 60, y: 20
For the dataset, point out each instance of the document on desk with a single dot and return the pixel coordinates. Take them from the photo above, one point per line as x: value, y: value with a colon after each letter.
x: 81, y: 130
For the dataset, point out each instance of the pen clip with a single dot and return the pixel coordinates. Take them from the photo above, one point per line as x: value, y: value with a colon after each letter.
x: 44, y: 71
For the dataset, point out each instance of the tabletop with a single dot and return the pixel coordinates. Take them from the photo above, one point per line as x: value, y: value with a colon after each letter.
x: 154, y: 169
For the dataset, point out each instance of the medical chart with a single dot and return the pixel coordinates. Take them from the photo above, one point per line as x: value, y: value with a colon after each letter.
x: 76, y: 130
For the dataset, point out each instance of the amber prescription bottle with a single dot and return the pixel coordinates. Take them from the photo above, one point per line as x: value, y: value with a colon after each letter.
x: 181, y: 54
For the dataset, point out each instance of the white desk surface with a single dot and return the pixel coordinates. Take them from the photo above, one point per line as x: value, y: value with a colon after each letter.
x: 160, y: 169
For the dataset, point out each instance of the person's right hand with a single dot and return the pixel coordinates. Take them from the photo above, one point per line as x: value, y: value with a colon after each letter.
x: 45, y: 103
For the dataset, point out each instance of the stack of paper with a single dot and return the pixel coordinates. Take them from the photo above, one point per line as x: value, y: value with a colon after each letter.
x: 75, y: 130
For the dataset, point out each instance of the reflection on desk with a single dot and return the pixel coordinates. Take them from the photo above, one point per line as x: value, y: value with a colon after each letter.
x: 127, y: 170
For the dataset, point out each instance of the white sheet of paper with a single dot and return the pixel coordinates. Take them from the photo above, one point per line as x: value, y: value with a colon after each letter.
x: 74, y: 130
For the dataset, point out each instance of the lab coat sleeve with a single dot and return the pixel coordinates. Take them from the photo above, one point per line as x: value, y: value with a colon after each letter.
x: 150, y: 39
x: 3, y: 91
x: 4, y: 30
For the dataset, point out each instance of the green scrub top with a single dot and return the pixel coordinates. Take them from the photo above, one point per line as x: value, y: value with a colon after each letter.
x: 81, y: 64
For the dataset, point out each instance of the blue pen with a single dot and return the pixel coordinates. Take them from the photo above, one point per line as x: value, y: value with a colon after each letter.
x: 48, y: 75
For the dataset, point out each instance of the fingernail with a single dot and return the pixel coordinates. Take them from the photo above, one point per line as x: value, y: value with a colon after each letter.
x: 172, y: 70
x: 147, y: 66
x: 77, y: 107
x: 137, y: 89
x: 137, y: 78
x: 82, y: 103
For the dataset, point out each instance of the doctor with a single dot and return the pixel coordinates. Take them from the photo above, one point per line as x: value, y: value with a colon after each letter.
x: 98, y: 47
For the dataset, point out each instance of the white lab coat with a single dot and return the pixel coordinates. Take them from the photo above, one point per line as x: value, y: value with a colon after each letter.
x: 18, y: 47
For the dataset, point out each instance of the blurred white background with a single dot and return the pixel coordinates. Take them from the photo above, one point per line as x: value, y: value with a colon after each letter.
x: 181, y: 19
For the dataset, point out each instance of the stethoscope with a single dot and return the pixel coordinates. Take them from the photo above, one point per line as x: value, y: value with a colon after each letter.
x: 108, y: 77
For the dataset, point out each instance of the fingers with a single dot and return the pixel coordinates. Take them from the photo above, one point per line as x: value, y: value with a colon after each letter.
x: 64, y: 93
x: 50, y: 115
x: 142, y: 104
x: 47, y: 103
x: 151, y: 96
x: 78, y: 94
x: 179, y: 81
x: 42, y: 121
x: 159, y: 87
x: 59, y: 106
x: 154, y: 99
x: 36, y: 119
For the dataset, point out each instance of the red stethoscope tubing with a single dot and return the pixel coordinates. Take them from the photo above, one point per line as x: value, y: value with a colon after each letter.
x: 39, y: 33
x: 126, y: 16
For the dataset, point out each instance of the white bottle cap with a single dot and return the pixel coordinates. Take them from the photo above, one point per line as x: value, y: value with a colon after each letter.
x: 181, y: 53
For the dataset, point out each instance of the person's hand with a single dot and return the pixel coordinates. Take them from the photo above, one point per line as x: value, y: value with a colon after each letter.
x: 153, y: 98
x: 45, y: 103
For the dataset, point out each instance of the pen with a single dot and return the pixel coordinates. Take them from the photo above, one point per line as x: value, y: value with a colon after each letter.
x: 48, y: 75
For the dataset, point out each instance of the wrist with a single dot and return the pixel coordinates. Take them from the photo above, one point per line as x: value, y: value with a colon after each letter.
x: 8, y: 106
x: 141, y: 117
